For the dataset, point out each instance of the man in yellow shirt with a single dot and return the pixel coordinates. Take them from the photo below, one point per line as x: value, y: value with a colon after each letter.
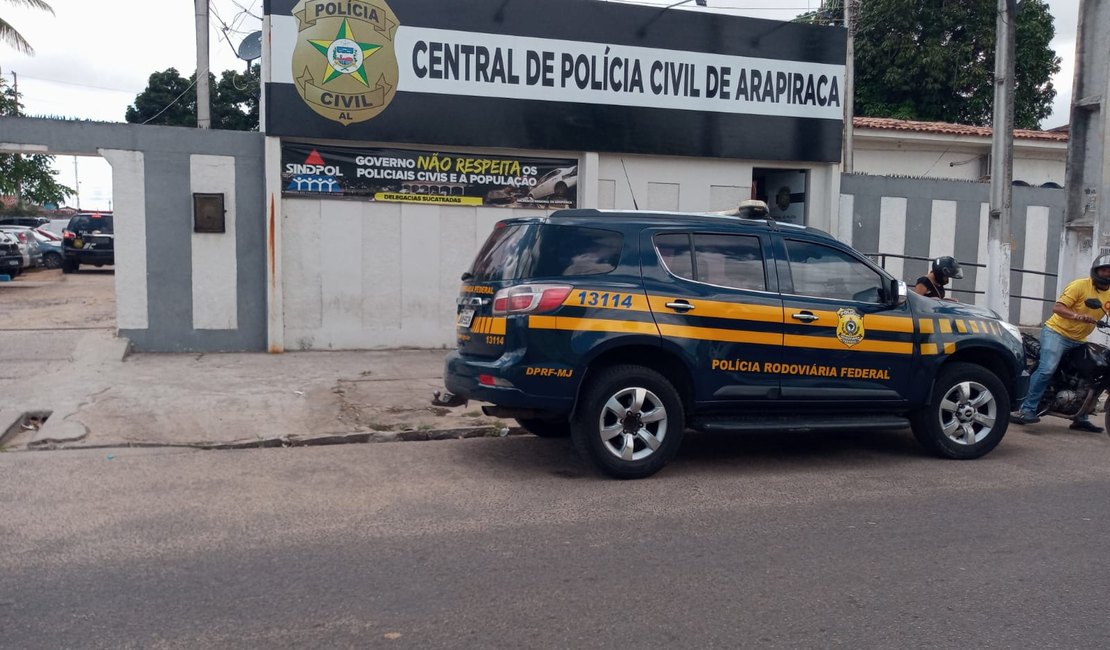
x: 1068, y: 327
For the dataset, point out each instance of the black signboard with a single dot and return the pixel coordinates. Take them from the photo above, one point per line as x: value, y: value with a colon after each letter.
x: 439, y: 177
x: 561, y: 75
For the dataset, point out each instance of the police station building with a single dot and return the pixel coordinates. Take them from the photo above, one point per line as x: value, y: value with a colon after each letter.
x: 398, y: 133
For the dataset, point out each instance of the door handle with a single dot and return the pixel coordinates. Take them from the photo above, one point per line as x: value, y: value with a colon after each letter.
x: 804, y: 316
x: 680, y: 306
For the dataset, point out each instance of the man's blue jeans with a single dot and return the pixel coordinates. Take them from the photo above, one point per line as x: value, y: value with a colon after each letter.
x: 1053, y: 347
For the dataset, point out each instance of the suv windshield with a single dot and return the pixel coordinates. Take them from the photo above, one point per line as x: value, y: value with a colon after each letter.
x: 89, y: 223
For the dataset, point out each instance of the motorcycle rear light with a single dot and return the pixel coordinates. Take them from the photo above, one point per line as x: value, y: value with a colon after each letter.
x: 530, y: 298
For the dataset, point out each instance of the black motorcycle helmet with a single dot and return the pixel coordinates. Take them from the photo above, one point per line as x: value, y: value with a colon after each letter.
x: 945, y: 268
x: 1102, y: 261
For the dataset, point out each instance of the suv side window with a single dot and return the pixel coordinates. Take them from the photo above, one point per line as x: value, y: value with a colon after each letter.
x: 825, y: 272
x: 574, y: 250
x: 734, y: 261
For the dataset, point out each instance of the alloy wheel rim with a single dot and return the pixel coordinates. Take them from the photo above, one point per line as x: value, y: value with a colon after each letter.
x: 968, y: 413
x: 632, y: 424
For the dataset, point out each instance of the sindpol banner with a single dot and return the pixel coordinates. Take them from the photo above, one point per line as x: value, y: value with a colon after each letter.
x: 441, y: 177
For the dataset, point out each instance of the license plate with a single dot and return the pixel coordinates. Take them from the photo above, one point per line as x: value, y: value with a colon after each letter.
x: 465, y: 316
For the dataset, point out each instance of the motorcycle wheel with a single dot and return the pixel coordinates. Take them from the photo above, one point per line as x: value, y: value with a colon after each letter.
x: 967, y: 414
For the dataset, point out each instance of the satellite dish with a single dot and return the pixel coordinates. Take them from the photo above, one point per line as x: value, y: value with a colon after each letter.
x: 251, y: 47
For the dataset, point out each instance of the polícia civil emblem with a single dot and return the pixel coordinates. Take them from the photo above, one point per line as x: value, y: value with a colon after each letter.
x: 344, y: 63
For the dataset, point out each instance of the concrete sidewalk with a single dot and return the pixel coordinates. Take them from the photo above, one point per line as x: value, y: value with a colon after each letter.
x: 98, y: 395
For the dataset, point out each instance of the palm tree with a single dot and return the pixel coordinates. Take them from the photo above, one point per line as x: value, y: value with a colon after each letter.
x: 9, y: 34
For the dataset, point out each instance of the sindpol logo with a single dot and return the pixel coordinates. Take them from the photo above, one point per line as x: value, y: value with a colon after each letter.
x: 849, y: 326
x: 344, y: 64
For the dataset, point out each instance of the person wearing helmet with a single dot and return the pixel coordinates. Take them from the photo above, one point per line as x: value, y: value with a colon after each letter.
x: 1068, y: 327
x: 943, y: 269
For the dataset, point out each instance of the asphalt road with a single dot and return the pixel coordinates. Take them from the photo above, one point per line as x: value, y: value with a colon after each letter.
x: 798, y: 541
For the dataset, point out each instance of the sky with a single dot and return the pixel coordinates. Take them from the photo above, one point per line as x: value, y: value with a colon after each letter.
x: 93, y: 58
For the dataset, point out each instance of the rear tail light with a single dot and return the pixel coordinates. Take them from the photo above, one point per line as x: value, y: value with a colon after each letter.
x: 530, y: 298
x: 69, y: 234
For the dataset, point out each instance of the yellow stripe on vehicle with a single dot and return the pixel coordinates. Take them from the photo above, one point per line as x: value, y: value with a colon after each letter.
x: 949, y: 348
x: 718, y: 309
x: 961, y: 327
x: 819, y: 342
x: 716, y: 334
x: 871, y: 322
x: 926, y: 325
x: 607, y: 299
x: 945, y: 326
x: 928, y: 348
x: 591, y: 325
x: 975, y: 326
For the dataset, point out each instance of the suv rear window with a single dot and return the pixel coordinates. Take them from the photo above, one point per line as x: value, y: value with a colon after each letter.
x: 556, y: 251
x: 89, y: 223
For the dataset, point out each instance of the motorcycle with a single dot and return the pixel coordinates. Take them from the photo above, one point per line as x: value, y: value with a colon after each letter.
x: 1081, y: 378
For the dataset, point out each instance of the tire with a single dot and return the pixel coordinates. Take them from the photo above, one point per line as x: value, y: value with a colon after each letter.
x: 629, y: 421
x: 52, y: 261
x: 69, y: 265
x: 560, y: 190
x: 967, y: 414
x: 546, y: 427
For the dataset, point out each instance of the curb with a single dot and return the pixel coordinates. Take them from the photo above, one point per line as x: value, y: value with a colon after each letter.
x: 43, y: 444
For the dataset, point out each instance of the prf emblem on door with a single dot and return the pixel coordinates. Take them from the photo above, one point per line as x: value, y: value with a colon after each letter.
x: 849, y: 326
x: 344, y: 62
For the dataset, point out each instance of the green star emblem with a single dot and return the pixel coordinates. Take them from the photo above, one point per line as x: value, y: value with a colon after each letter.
x: 345, y: 55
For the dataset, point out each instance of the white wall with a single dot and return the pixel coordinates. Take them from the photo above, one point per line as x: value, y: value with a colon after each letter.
x: 364, y: 275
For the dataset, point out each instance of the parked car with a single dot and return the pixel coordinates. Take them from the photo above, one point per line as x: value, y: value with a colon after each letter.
x: 11, y: 260
x: 28, y: 245
x: 51, y: 247
x: 558, y: 183
x: 624, y: 329
x: 55, y: 226
x: 89, y: 238
x: 30, y: 222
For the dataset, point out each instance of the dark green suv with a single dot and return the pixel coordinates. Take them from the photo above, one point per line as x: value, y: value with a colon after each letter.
x: 624, y: 329
x: 89, y: 238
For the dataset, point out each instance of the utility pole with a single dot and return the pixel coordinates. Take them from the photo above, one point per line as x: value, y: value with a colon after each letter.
x: 849, y: 85
x: 1086, y: 216
x: 204, y: 119
x: 1002, y: 163
x: 76, y: 184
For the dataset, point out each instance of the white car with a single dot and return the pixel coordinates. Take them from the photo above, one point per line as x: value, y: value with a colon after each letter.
x: 559, y: 183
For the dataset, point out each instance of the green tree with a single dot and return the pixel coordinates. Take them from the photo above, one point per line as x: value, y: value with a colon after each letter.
x: 31, y: 179
x: 934, y: 61
x: 11, y: 35
x: 170, y: 99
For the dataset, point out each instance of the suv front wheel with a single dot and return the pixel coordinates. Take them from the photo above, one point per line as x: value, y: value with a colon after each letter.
x: 967, y: 414
x: 629, y: 422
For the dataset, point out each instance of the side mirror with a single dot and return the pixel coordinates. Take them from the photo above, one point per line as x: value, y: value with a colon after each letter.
x: 897, y: 292
x: 1093, y: 303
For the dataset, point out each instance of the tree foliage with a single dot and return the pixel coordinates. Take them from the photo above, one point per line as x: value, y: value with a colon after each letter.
x: 170, y: 99
x: 934, y: 61
x: 10, y: 35
x: 30, y: 178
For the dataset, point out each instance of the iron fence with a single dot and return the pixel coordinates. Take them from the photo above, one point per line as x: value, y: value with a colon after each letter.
x: 881, y: 258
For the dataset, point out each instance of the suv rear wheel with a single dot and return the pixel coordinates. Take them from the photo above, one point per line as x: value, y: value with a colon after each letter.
x: 967, y: 414
x: 629, y: 422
